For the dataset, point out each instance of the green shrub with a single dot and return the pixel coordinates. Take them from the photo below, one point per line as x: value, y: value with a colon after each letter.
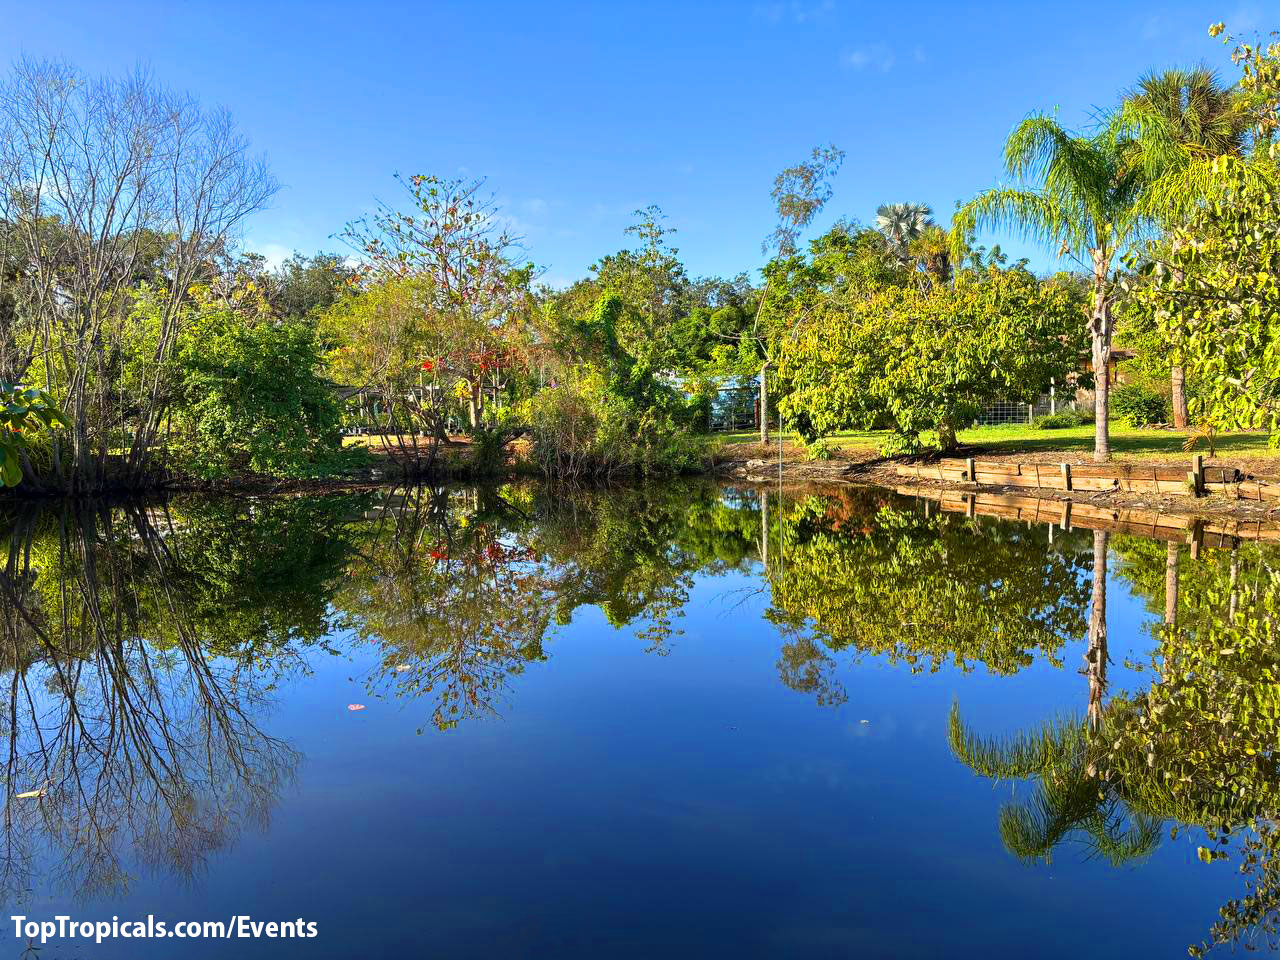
x: 253, y: 401
x: 1063, y: 420
x: 582, y: 430
x: 488, y: 451
x: 1138, y: 406
x: 819, y: 449
x: 900, y: 444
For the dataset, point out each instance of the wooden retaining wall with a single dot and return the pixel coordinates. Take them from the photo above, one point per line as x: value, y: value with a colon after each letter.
x: 1120, y: 478
x: 1068, y: 515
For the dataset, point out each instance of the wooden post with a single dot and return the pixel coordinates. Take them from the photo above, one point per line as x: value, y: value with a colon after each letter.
x: 970, y: 469
x: 1065, y: 522
x: 970, y: 505
x: 1197, y: 475
x: 1196, y: 536
x: 1066, y: 476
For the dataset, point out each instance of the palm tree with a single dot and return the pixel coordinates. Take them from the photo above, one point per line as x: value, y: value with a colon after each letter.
x: 1070, y: 799
x: 931, y: 252
x: 901, y: 223
x: 1191, y: 112
x: 1080, y: 194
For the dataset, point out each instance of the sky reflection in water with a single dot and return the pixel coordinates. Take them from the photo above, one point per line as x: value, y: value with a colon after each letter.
x: 682, y: 721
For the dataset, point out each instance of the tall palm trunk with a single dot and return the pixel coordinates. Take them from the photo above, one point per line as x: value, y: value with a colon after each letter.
x: 1100, y: 334
x: 1178, y: 375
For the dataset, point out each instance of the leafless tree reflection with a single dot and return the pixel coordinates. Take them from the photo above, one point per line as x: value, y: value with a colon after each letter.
x: 127, y: 743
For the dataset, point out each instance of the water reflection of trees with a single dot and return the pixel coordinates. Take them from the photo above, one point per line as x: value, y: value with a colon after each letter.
x: 140, y: 645
x: 1197, y: 749
x: 880, y: 576
x: 455, y: 603
x: 139, y: 648
x: 460, y: 589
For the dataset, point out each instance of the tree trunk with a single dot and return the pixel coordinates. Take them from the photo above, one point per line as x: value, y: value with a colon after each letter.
x: 1096, y: 656
x: 473, y: 406
x: 764, y: 403
x: 946, y: 436
x: 1178, y: 376
x: 1179, y: 384
x: 1100, y: 334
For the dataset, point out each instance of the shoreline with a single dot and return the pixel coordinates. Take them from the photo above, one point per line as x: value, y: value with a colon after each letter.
x: 865, y: 468
x: 737, y: 462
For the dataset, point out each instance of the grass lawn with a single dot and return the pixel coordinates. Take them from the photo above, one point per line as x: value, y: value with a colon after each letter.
x: 845, y: 439
x: 1127, y: 443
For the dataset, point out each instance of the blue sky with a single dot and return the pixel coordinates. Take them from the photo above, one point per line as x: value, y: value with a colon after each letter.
x: 578, y: 113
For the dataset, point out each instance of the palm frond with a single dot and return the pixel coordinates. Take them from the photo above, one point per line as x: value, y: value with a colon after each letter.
x: 1060, y: 804
x: 1053, y: 746
x: 1119, y: 840
x: 1077, y: 171
x: 1175, y: 195
x: 1035, y: 215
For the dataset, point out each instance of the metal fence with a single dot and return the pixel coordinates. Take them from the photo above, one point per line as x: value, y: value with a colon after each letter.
x: 1004, y: 412
x: 734, y: 408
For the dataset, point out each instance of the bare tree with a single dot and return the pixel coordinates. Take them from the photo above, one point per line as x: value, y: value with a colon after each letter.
x: 101, y: 181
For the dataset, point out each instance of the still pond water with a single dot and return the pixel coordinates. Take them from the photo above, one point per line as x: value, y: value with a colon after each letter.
x: 683, y: 721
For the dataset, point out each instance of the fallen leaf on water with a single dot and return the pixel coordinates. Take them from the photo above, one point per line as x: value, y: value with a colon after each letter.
x: 355, y: 706
x: 39, y: 792
x: 403, y: 668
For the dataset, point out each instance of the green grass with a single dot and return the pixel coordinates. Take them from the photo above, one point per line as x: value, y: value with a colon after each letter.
x: 1127, y: 443
x: 845, y: 439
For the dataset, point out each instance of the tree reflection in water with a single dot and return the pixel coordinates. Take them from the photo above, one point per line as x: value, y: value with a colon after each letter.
x: 136, y: 728
x: 1197, y: 750
x: 141, y: 647
x: 877, y: 575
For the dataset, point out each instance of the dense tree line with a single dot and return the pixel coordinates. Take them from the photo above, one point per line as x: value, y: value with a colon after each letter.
x: 137, y: 345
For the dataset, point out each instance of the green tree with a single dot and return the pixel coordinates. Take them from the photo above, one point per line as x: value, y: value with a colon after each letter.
x: 385, y: 343
x: 454, y: 241
x: 252, y: 399
x: 799, y: 194
x: 304, y: 286
x: 1211, y: 290
x: 1193, y: 118
x: 930, y: 360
